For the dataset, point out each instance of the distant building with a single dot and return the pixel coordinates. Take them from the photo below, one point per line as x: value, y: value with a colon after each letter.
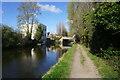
x: 51, y: 34
x: 44, y: 29
x: 23, y: 30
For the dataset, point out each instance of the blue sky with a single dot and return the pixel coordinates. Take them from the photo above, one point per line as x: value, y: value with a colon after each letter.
x: 52, y: 13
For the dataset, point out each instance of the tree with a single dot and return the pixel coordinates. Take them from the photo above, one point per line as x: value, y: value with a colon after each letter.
x: 71, y: 14
x: 61, y: 30
x: 39, y: 32
x: 10, y: 37
x: 64, y: 30
x: 80, y: 15
x: 107, y: 27
x: 28, y: 12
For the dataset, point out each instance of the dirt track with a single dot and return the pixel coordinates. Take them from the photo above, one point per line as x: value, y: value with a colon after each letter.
x: 83, y: 66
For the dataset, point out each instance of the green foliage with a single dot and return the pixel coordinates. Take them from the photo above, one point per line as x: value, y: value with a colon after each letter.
x: 71, y: 14
x: 106, y: 70
x: 10, y: 37
x: 108, y: 15
x: 107, y: 27
x: 112, y: 57
x: 87, y: 20
x: 39, y: 32
x: 57, y: 38
x: 100, y: 27
x: 80, y: 20
x: 106, y: 35
x: 62, y: 68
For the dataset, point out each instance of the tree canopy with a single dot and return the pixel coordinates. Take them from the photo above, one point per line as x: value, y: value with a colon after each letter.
x: 28, y: 12
x: 10, y: 37
x: 61, y: 30
x: 107, y: 27
x: 39, y: 32
x: 80, y: 19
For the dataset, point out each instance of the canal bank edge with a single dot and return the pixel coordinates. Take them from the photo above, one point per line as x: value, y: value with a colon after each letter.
x: 62, y: 68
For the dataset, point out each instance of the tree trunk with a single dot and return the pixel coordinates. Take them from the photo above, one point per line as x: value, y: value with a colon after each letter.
x: 31, y: 27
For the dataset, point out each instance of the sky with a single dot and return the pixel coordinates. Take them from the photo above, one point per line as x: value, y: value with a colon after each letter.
x: 52, y: 13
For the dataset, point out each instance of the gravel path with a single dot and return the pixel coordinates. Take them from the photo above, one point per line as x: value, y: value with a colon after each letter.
x: 83, y: 66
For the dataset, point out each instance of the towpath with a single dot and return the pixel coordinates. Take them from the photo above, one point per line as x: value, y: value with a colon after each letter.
x: 82, y: 66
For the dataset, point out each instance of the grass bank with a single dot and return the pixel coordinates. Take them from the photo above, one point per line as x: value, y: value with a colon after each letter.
x: 63, y: 67
x: 105, y: 71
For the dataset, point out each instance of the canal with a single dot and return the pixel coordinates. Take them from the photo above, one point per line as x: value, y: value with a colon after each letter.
x: 30, y: 62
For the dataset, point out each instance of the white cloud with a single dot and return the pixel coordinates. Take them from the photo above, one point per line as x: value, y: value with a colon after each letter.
x: 50, y: 8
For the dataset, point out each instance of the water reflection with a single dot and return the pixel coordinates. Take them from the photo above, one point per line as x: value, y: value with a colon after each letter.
x: 30, y: 62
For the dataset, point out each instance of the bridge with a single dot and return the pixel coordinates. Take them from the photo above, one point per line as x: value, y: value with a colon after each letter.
x: 67, y: 40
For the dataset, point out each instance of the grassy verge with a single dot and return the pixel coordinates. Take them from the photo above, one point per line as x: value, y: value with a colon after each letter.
x: 104, y: 69
x: 63, y: 67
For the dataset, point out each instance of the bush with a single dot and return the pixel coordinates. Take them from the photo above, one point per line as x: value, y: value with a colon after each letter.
x: 10, y: 37
x: 107, y: 29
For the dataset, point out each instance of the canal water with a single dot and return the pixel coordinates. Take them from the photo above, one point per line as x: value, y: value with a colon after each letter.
x: 30, y: 62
